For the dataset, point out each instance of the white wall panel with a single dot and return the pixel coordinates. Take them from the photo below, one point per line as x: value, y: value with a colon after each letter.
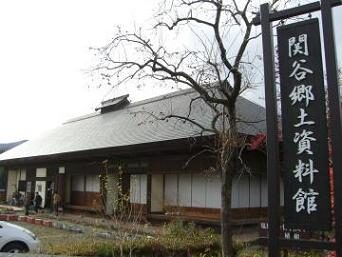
x: 264, y: 191
x: 143, y: 189
x: 134, y: 194
x: 235, y: 193
x: 244, y: 192
x: 12, y: 181
x: 22, y: 175
x: 198, y: 190
x: 157, y: 189
x: 184, y: 190
x: 255, y: 191
x: 171, y: 185
x: 96, y: 184
x: 92, y: 183
x: 138, y: 189
x: 213, y: 197
x: 41, y: 172
x: 61, y: 170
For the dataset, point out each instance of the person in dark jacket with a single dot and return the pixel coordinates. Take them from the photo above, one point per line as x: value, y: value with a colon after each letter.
x: 37, y: 202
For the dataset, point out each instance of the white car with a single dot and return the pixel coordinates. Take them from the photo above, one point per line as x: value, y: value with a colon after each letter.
x: 16, y: 239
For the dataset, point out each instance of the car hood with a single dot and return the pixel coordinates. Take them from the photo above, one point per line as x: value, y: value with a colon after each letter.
x: 7, y: 225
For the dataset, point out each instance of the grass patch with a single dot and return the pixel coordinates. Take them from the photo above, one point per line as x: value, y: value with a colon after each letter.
x: 177, y: 240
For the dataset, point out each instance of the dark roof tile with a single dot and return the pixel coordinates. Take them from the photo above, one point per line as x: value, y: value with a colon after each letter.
x: 134, y: 125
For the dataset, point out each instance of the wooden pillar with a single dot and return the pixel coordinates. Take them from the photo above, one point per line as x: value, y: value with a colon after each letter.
x: 60, y: 183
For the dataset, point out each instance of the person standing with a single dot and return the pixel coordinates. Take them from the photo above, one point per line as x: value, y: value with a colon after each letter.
x: 56, y: 202
x: 48, y: 200
x: 37, y: 202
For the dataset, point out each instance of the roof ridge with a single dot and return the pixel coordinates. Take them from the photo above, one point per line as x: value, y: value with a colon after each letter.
x: 134, y: 104
x: 82, y: 117
x: 162, y: 97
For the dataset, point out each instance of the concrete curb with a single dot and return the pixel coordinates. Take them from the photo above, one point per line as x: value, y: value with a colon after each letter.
x: 55, y: 224
x: 41, y: 222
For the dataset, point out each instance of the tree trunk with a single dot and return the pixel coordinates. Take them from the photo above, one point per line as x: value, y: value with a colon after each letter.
x: 229, y: 158
x: 226, y: 214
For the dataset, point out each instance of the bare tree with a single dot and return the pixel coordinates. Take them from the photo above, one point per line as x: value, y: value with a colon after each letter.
x: 222, y: 30
x: 126, y: 217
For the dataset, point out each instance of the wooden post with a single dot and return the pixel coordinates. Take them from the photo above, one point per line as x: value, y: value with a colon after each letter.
x: 273, y: 166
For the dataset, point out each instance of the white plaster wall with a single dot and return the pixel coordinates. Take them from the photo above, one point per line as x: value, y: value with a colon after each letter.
x: 184, y: 190
x: 12, y: 180
x: 255, y: 191
x: 235, y: 193
x: 198, y: 190
x: 264, y: 196
x: 41, y: 172
x: 213, y: 192
x: 157, y: 188
x: 92, y: 183
x: 171, y: 187
x: 138, y: 189
x: 143, y: 189
x: 134, y: 193
x: 22, y: 175
x: 264, y: 191
x: 192, y: 190
x: 243, y: 192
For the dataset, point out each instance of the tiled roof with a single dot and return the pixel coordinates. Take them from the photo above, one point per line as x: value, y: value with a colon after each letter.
x: 135, y: 125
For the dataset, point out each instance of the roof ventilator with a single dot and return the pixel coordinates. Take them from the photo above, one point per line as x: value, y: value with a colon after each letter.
x: 113, y: 104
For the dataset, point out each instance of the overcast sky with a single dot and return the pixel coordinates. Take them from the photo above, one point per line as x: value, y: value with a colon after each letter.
x: 43, y: 55
x: 43, y: 52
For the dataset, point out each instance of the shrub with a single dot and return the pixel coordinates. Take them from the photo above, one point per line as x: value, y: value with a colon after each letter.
x: 178, y: 239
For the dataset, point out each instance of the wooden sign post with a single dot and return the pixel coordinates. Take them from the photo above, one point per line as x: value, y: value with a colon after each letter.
x: 304, y: 124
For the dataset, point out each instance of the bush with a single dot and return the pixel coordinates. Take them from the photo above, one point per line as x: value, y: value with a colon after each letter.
x: 77, y: 248
x: 178, y: 239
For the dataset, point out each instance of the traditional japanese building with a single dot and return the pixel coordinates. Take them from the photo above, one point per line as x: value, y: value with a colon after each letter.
x: 150, y: 155
x: 3, y: 178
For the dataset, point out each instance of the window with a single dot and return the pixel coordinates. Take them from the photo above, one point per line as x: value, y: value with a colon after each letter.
x: 22, y: 175
x: 92, y: 183
x: 138, y: 189
x: 192, y: 190
x: 41, y: 172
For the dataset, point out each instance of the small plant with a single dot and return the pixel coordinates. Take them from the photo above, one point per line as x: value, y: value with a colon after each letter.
x: 179, y: 229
